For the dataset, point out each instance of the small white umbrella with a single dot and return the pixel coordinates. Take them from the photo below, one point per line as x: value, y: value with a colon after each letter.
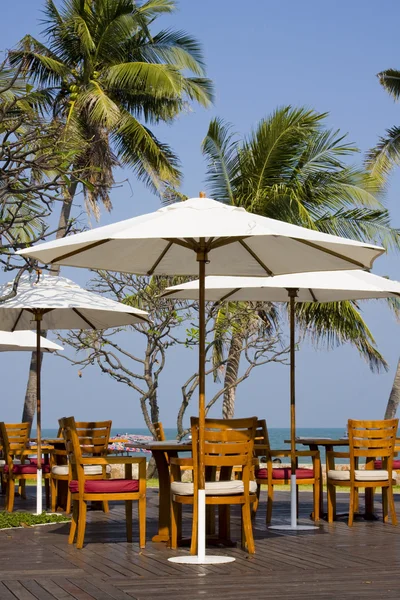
x: 58, y: 303
x: 181, y: 239
x: 25, y: 341
x: 328, y: 286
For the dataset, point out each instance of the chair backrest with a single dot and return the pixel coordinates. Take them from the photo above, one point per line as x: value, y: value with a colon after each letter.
x: 228, y: 443
x: 261, y: 439
x: 73, y: 449
x: 93, y: 436
x: 372, y: 439
x: 159, y: 431
x: 14, y: 438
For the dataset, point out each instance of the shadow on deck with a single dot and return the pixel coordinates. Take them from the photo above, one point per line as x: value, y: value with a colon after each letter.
x: 332, y: 562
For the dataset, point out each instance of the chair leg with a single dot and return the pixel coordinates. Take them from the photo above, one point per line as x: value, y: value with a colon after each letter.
x: 81, y: 524
x: 317, y: 491
x: 68, y: 506
x: 270, y: 501
x: 193, y: 545
x: 74, y: 522
x: 256, y: 503
x: 174, y: 525
x: 54, y: 490
x: 385, y: 504
x: 47, y: 492
x: 106, y: 508
x: 129, y: 522
x: 351, y: 507
x: 142, y: 522
x: 357, y: 500
x: 248, y: 528
x: 10, y: 495
x: 22, y: 488
x: 392, y: 506
x: 331, y: 502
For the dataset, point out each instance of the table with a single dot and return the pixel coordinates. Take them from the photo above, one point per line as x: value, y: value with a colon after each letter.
x: 328, y: 444
x: 162, y: 452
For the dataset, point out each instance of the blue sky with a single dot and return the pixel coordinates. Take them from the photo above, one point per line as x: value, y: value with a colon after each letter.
x: 321, y: 55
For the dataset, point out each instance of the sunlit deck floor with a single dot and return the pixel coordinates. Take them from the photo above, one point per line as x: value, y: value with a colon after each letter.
x: 332, y: 562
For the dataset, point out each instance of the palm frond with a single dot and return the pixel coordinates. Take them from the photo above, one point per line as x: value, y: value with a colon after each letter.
x: 220, y: 149
x: 386, y: 154
x: 390, y: 80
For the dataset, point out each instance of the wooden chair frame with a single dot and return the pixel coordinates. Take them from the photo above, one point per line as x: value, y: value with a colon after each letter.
x: 94, y: 436
x: 370, y: 440
x: 14, y: 439
x: 81, y: 498
x: 262, y: 448
x: 228, y: 444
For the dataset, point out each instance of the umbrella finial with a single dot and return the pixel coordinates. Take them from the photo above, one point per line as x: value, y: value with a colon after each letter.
x: 202, y: 195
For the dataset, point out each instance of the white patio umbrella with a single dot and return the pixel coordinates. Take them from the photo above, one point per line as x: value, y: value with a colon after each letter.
x: 181, y: 239
x: 327, y: 286
x: 58, y: 303
x: 25, y: 341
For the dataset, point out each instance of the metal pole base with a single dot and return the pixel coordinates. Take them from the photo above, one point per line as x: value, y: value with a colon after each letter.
x: 293, y: 527
x: 199, y: 560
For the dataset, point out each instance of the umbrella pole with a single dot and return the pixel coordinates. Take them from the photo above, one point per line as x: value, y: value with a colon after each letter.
x: 293, y: 492
x: 39, y: 508
x: 201, y: 528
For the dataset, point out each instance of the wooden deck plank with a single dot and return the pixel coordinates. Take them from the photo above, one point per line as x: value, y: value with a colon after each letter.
x: 333, y: 562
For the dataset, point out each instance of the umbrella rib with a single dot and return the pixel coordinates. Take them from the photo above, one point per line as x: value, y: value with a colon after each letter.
x: 313, y: 295
x: 159, y: 259
x: 18, y: 318
x: 229, y: 294
x: 179, y: 242
x: 256, y: 258
x: 224, y: 241
x: 84, y: 249
x: 84, y: 318
x: 331, y: 252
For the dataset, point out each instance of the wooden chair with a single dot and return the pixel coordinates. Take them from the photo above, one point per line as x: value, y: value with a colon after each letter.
x: 228, y: 443
x: 94, y: 439
x: 14, y: 440
x: 369, y: 440
x: 275, y: 475
x: 84, y: 490
x: 159, y: 430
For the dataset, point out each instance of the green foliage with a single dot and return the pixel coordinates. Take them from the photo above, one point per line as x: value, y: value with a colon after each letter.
x: 109, y: 76
x: 25, y: 519
x: 292, y: 168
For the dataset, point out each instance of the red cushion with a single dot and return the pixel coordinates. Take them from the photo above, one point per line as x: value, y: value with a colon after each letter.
x: 27, y: 469
x: 107, y: 486
x: 33, y: 460
x: 285, y: 473
x: 378, y: 464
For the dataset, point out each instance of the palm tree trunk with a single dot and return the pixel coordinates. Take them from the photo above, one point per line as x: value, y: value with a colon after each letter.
x: 231, y: 375
x: 394, y: 398
x: 30, y: 395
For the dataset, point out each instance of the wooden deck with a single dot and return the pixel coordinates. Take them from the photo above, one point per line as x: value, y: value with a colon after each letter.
x: 330, y: 563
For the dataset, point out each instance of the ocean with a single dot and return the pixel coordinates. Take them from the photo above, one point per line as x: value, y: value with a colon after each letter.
x: 277, y: 436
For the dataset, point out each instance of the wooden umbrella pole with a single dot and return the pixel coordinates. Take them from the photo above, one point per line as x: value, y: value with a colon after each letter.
x: 38, y: 319
x: 292, y: 302
x: 202, y: 259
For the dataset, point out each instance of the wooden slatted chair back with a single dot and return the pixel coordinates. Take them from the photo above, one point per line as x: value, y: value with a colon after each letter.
x: 227, y: 442
x: 73, y: 449
x: 94, y: 436
x: 159, y: 431
x: 14, y: 438
x: 261, y: 439
x: 373, y: 439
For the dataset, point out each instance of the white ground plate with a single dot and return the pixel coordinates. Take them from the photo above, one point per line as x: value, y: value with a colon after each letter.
x: 206, y: 560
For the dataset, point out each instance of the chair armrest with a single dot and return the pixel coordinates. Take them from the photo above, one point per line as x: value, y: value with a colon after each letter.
x: 333, y: 454
x: 113, y: 460
x: 181, y: 462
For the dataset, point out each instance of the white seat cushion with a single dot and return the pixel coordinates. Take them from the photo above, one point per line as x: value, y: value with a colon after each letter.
x: 360, y: 475
x: 88, y: 469
x: 16, y: 461
x: 2, y: 462
x: 213, y: 488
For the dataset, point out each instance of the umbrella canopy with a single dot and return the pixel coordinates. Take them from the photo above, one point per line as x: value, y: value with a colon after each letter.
x: 25, y: 341
x: 63, y: 305
x: 163, y: 242
x: 326, y: 286
x: 58, y: 303
x: 182, y: 239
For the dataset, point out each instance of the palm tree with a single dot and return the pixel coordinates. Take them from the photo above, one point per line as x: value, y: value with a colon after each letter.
x: 109, y: 76
x: 381, y: 160
x: 292, y: 168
